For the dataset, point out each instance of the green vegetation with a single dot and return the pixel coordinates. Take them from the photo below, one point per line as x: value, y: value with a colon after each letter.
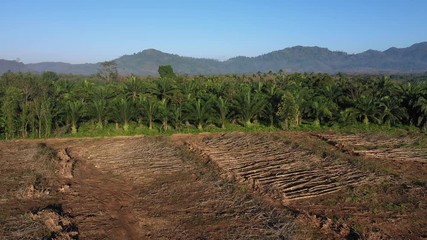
x: 40, y: 106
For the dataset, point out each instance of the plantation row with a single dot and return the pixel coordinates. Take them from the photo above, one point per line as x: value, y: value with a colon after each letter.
x: 42, y: 105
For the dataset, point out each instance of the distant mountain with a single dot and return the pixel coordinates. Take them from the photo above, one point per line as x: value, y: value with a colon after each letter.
x: 147, y: 63
x: 14, y: 66
x: 60, y: 67
x: 412, y: 59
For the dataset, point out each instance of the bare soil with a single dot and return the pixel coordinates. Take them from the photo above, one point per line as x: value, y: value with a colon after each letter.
x: 345, y: 194
x: 287, y: 185
x: 136, y: 188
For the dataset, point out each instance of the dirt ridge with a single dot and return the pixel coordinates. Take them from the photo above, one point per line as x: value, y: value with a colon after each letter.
x: 282, y: 189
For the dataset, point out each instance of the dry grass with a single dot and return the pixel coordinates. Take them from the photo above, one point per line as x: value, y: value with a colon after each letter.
x: 28, y: 183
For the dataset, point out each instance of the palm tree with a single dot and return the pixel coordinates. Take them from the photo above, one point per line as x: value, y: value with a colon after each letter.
x: 164, y: 114
x: 366, y: 109
x: 176, y: 115
x: 421, y: 106
x: 188, y: 87
x: 164, y: 88
x: 41, y: 112
x: 302, y: 95
x: 133, y: 88
x: 83, y: 91
x: 98, y: 105
x: 47, y: 109
x: 150, y: 108
x: 199, y: 112
x: 322, y: 108
x: 273, y: 96
x: 222, y: 107
x: 392, y: 111
x: 10, y: 110
x: 122, y: 110
x: 100, y: 110
x: 248, y: 105
x: 74, y: 110
x: 409, y: 97
x: 218, y: 87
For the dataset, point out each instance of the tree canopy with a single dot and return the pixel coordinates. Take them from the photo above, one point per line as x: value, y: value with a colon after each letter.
x: 48, y: 104
x: 166, y: 71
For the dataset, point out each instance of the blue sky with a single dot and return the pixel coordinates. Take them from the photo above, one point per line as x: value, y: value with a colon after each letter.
x: 80, y: 31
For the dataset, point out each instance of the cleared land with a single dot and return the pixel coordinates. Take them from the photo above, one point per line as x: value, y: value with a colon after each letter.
x: 271, y: 164
x: 405, y: 155
x: 125, y: 188
x: 286, y: 185
x: 330, y: 185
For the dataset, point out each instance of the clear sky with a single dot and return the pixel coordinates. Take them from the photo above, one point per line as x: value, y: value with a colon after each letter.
x: 80, y: 31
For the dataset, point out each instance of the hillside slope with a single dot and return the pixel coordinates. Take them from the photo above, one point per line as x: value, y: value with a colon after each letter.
x: 412, y: 59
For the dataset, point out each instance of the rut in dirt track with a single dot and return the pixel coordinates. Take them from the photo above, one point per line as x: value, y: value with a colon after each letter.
x: 101, y: 206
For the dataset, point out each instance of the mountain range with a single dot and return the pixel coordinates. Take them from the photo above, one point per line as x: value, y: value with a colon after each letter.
x: 412, y: 59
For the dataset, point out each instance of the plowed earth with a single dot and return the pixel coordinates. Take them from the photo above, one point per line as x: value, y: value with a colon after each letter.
x: 213, y: 186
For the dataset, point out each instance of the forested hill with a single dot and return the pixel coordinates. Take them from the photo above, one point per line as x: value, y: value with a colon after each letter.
x: 412, y: 59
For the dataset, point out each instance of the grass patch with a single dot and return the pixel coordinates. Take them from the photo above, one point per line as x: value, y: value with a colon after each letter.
x: 418, y: 182
x: 357, y: 128
x: 89, y: 129
x: 384, y: 197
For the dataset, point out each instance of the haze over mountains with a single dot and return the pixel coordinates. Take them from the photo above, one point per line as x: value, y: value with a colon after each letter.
x: 412, y: 59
